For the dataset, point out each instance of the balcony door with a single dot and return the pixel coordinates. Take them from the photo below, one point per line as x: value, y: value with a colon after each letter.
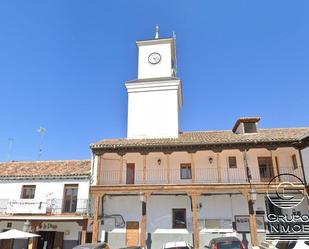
x: 265, y: 168
x: 130, y: 173
x: 70, y: 198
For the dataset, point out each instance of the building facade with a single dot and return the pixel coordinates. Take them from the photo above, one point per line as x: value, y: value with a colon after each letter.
x: 50, y: 198
x: 160, y: 184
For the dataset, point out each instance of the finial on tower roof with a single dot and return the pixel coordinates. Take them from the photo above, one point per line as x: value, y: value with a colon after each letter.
x: 157, y: 32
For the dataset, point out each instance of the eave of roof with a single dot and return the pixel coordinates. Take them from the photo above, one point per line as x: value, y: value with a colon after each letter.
x: 58, y: 169
x: 208, y: 140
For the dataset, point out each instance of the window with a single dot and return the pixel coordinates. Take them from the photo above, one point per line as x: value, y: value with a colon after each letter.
x: 179, y: 218
x: 70, y: 198
x: 294, y: 160
x: 185, y: 171
x: 27, y: 192
x: 250, y: 127
x: 265, y: 168
x: 232, y: 162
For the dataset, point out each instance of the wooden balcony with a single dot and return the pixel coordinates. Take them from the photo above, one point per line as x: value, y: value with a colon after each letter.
x: 196, y: 176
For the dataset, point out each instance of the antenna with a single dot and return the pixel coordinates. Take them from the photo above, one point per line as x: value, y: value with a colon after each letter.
x: 175, y: 62
x: 157, y: 32
x: 41, y: 130
x: 11, y: 140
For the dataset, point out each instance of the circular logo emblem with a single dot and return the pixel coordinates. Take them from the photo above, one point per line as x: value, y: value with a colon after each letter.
x: 286, y: 191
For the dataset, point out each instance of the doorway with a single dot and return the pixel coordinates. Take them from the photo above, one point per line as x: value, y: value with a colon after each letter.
x: 130, y: 173
x: 46, y: 240
x: 132, y: 234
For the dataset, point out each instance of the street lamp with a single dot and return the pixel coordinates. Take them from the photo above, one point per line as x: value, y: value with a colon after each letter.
x: 252, y: 195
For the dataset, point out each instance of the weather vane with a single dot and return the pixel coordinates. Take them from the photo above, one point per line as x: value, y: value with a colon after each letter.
x: 157, y: 32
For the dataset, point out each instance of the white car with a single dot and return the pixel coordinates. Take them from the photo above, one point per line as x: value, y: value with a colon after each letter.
x: 299, y: 244
x: 177, y: 245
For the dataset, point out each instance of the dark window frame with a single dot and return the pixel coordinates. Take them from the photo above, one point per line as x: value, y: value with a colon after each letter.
x: 186, y: 166
x: 250, y: 127
x: 24, y: 188
x: 72, y: 208
x: 232, y: 165
x: 174, y: 211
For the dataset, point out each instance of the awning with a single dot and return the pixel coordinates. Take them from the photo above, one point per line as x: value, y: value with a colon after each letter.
x: 16, y: 234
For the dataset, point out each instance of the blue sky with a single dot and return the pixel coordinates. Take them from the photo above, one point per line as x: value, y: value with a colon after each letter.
x: 63, y: 65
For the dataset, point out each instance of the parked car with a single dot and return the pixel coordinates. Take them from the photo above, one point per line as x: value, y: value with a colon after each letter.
x: 177, y: 245
x: 92, y: 246
x: 226, y: 243
x: 299, y: 244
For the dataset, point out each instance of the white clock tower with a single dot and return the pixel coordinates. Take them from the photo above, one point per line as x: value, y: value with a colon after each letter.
x: 155, y: 97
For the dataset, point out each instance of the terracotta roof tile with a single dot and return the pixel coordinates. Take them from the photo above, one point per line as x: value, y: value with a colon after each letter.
x: 45, y: 168
x: 209, y: 138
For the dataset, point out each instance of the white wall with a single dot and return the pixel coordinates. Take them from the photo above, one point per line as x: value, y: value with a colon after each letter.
x: 45, y: 189
x: 153, y: 109
x: 162, y: 69
x: 159, y: 210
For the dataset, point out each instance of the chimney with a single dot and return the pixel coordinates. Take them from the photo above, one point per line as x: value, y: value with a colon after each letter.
x: 246, y: 125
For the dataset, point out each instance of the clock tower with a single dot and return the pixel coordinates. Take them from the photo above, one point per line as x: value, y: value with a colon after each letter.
x: 155, y: 97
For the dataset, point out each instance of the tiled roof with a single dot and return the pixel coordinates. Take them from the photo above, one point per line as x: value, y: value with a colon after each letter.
x: 209, y: 138
x: 64, y: 168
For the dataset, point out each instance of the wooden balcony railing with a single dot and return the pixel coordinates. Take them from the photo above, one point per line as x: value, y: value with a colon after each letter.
x: 202, y: 175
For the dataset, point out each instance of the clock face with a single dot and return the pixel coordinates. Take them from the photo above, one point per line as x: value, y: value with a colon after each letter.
x: 154, y: 58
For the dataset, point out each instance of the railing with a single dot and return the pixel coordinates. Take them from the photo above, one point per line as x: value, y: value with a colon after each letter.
x: 47, y: 206
x: 202, y: 175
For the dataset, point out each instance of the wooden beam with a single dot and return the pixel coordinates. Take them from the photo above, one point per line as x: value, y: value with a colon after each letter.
x: 98, y: 173
x: 302, y: 167
x: 196, y: 232
x: 95, y: 225
x: 252, y: 221
x: 143, y: 239
x: 83, y: 237
x: 168, y: 169
x: 274, y: 163
x: 193, y: 167
x: 121, y: 170
x: 197, y: 187
x: 32, y: 242
x: 219, y: 168
x: 83, y: 224
x: 144, y: 169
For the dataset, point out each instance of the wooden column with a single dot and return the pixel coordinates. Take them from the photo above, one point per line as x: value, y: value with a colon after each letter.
x: 193, y: 167
x: 32, y: 242
x: 95, y: 225
x: 252, y: 221
x: 302, y: 167
x: 196, y: 232
x: 143, y: 239
x: 144, y: 168
x: 246, y: 165
x: 98, y: 173
x: 121, y: 170
x: 84, y: 232
x: 219, y: 167
x: 274, y: 163
x: 168, y: 168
